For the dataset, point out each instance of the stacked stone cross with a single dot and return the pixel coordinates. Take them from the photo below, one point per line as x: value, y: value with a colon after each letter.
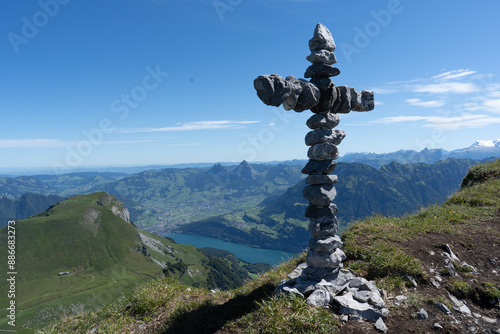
x: 321, y: 279
x: 326, y: 101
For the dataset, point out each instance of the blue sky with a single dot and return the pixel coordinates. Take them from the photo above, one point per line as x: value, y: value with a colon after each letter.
x: 136, y: 82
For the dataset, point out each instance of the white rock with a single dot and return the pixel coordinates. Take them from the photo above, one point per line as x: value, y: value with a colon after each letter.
x: 319, y: 298
x: 381, y: 326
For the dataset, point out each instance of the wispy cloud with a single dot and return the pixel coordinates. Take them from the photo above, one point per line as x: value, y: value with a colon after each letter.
x: 444, y: 123
x: 492, y: 105
x: 33, y: 143
x: 52, y: 143
x: 191, y: 126
x: 425, y: 104
x: 461, y: 81
x: 446, y: 87
x: 455, y: 74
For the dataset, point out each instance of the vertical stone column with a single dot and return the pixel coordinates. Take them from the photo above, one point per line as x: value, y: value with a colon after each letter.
x: 326, y: 101
x: 324, y: 253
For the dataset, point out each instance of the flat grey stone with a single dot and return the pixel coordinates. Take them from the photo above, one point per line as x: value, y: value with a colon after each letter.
x: 356, y: 317
x: 363, y: 101
x: 376, y: 300
x: 322, y: 227
x: 328, y: 94
x: 322, y: 56
x: 324, y: 136
x: 296, y: 90
x: 410, y: 279
x: 320, y: 298
x: 443, y: 307
x: 326, y: 120
x: 488, y: 320
x: 348, y: 305
x: 448, y: 250
x: 321, y: 70
x: 326, y: 245
x: 297, y: 271
x: 381, y: 326
x: 314, y: 211
x: 437, y: 326
x: 288, y: 290
x: 309, y: 96
x: 434, y: 282
x: 321, y: 195
x: 325, y: 260
x: 273, y: 90
x: 322, y: 39
x: 367, y: 285
x: 422, y: 314
x: 459, y: 305
x: 322, y: 179
x: 331, y: 286
x: 323, y: 151
x: 315, y: 275
x: 319, y: 167
x: 349, y: 99
x: 361, y: 296
x: 343, y: 103
x: 306, y: 288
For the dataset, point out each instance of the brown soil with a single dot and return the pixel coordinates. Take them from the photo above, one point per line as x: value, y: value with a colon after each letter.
x: 479, y: 246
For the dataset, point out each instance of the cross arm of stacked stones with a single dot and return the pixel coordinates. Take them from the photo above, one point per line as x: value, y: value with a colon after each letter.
x: 326, y: 101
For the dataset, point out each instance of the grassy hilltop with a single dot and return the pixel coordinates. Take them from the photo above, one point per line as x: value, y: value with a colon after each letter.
x: 91, y: 237
x: 381, y: 248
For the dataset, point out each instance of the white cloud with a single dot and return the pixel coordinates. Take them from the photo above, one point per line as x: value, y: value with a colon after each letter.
x: 380, y: 90
x: 32, y: 143
x: 191, y: 126
x: 455, y: 74
x: 492, y: 105
x: 446, y: 87
x: 52, y: 143
x: 425, y: 104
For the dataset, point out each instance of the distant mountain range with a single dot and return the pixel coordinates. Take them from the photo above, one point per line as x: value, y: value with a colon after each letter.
x: 394, y: 189
x: 481, y: 149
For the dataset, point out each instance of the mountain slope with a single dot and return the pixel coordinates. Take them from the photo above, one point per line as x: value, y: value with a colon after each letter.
x: 25, y: 206
x: 464, y: 299
x: 16, y: 187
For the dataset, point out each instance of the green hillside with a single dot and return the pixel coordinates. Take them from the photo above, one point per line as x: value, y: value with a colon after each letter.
x: 106, y: 256
x: 384, y: 249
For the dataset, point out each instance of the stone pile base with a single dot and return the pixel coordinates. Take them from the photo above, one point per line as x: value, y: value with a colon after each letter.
x: 338, y: 288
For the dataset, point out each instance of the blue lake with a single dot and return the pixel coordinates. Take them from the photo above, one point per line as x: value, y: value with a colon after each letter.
x: 246, y: 253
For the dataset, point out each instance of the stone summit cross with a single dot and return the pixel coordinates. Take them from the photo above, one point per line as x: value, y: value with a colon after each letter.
x: 321, y: 279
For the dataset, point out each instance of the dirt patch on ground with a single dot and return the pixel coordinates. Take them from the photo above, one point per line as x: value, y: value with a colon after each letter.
x: 478, y: 245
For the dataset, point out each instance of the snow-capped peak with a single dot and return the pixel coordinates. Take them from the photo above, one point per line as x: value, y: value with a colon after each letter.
x: 487, y: 143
